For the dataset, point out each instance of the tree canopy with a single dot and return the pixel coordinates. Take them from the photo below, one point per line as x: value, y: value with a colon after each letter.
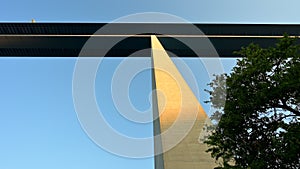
x: 259, y: 126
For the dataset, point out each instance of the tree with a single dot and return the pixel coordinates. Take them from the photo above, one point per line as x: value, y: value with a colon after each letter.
x: 259, y: 126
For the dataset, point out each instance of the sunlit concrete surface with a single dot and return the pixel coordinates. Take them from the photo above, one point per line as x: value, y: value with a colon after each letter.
x: 177, y: 105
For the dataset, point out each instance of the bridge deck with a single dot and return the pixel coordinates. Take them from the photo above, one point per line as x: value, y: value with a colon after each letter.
x: 67, y: 39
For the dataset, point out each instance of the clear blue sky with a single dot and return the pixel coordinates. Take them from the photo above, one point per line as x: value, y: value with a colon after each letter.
x: 38, y: 123
x: 245, y: 11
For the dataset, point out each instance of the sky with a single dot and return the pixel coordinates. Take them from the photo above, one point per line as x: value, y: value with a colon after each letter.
x: 38, y: 123
x: 39, y: 127
x: 212, y: 11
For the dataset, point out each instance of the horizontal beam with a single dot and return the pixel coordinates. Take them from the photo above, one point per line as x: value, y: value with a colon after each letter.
x: 67, y: 39
x: 148, y: 36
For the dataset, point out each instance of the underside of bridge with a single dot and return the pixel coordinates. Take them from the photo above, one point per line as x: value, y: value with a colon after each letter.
x: 68, y: 39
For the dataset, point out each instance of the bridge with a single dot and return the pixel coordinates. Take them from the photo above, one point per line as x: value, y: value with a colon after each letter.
x: 67, y: 39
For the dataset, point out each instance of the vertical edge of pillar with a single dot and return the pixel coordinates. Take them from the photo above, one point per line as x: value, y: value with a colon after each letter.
x: 158, y: 157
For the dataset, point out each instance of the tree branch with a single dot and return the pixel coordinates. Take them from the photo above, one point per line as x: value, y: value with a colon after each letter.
x: 286, y: 107
x: 291, y: 115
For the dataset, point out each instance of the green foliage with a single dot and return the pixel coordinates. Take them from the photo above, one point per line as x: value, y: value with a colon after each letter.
x: 259, y: 128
